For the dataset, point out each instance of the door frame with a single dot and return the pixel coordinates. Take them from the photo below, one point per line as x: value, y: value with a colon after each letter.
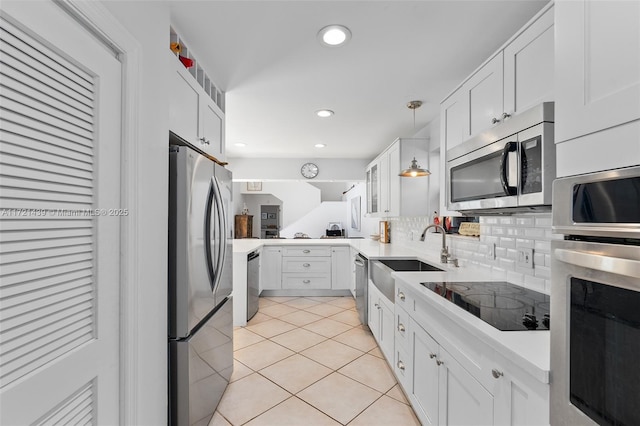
x: 102, y: 24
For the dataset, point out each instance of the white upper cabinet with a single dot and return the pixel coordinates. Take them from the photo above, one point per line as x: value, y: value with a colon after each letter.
x: 514, y: 79
x: 597, y: 74
x: 484, y: 91
x: 391, y: 195
x: 193, y: 114
x: 528, y: 66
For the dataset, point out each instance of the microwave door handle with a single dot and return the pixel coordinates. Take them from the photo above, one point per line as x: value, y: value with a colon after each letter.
x: 504, y: 179
x: 207, y: 236
x: 614, y: 265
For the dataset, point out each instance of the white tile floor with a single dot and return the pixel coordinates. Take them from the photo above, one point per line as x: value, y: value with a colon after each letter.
x: 308, y: 361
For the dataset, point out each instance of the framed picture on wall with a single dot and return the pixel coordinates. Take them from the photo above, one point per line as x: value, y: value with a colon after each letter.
x: 263, y: 216
x: 271, y: 215
x: 254, y: 186
x: 355, y: 213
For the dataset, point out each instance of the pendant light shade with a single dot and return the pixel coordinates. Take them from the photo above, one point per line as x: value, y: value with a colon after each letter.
x: 414, y: 169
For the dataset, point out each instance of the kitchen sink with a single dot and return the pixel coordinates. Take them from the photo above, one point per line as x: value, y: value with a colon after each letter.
x: 409, y: 265
x: 381, y: 270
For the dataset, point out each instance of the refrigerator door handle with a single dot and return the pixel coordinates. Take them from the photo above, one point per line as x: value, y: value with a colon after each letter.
x: 221, y: 252
x: 207, y: 235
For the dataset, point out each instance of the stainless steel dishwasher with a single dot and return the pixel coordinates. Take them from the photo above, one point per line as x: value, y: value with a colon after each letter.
x: 362, y: 291
x: 253, y: 283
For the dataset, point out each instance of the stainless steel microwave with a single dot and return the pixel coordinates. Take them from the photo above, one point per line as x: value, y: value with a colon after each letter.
x: 509, y: 168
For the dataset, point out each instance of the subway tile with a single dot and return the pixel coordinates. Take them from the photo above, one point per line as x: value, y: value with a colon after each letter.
x: 507, y: 242
x: 524, y: 243
x: 525, y: 221
x: 538, y: 259
x: 489, y: 220
x: 543, y: 272
x: 534, y: 283
x: 512, y: 254
x: 501, y: 252
x: 547, y: 260
x: 543, y: 221
x: 507, y: 264
x: 497, y: 230
x: 506, y: 220
x: 543, y: 246
x: 534, y: 232
x: 489, y: 239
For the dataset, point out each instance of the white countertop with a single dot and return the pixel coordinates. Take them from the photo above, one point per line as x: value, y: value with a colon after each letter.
x: 528, y: 349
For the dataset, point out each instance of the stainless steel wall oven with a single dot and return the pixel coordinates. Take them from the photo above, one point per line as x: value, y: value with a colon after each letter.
x: 595, y: 299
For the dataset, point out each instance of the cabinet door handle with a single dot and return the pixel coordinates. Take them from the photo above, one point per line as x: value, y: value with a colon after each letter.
x: 505, y: 115
x: 204, y: 141
x: 306, y: 265
x: 306, y: 251
x: 376, y: 305
x: 496, y: 373
x: 306, y: 281
x: 432, y: 356
x: 401, y: 327
x: 439, y: 362
x: 401, y: 365
x: 401, y: 296
x: 495, y: 120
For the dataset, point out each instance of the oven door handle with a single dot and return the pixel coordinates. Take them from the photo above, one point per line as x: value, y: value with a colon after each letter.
x: 614, y: 265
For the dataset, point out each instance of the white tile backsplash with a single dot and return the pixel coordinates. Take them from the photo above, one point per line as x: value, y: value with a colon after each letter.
x: 508, y: 233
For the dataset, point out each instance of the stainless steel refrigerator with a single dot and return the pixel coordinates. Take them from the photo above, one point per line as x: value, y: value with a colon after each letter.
x: 200, y: 284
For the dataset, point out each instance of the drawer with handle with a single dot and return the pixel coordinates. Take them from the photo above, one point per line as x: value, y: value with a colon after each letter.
x: 298, y: 264
x: 306, y: 251
x: 306, y: 281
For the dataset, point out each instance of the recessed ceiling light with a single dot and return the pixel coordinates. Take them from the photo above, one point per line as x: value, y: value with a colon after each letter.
x: 324, y: 113
x: 319, y: 145
x: 240, y: 144
x: 334, y: 35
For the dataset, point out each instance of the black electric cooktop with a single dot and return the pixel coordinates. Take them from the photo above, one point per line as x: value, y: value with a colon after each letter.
x: 505, y: 306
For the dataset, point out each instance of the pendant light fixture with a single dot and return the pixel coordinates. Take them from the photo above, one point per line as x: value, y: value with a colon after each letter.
x: 414, y: 169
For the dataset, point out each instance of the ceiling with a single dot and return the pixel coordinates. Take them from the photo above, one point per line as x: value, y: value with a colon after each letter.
x: 276, y: 74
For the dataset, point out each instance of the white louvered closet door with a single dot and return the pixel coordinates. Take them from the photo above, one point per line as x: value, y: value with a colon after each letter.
x: 60, y: 138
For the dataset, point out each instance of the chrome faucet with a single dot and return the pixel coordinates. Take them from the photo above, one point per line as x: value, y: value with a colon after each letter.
x: 444, y: 252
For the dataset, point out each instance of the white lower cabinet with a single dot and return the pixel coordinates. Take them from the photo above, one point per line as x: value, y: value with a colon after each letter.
x: 444, y: 393
x: 443, y: 389
x: 381, y: 321
x: 304, y: 270
x: 271, y: 268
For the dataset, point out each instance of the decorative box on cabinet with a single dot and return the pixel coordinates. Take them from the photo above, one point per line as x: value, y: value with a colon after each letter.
x: 389, y: 195
x: 597, y: 74
x: 244, y: 226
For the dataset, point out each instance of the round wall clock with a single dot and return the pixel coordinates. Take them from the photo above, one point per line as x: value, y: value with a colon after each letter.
x: 309, y: 170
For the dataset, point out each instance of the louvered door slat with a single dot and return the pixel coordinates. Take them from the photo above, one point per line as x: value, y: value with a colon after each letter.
x: 44, y: 263
x: 34, y: 145
x: 45, y: 198
x: 34, y: 223
x: 27, y: 245
x: 25, y: 152
x: 9, y: 94
x: 55, y: 252
x: 43, y: 176
x: 44, y: 293
x: 27, y: 287
x: 80, y: 415
x: 54, y: 81
x: 38, y: 135
x: 44, y: 343
x: 32, y: 309
x: 49, y: 234
x: 46, y: 124
x: 76, y: 109
x: 80, y: 310
x: 38, y: 274
x: 17, y: 183
x: 61, y: 169
x: 24, y: 44
x: 68, y: 409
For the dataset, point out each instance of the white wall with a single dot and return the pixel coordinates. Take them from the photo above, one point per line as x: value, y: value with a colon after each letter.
x: 314, y: 223
x: 148, y: 22
x: 282, y: 169
x: 368, y: 225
